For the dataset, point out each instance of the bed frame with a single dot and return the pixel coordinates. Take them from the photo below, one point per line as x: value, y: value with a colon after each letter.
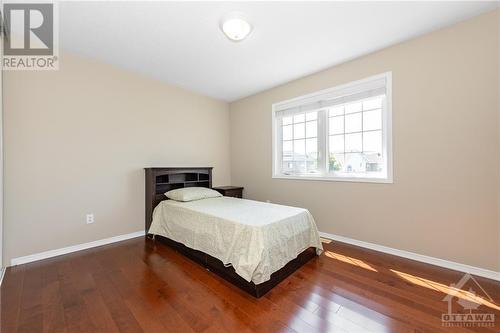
x: 161, y: 180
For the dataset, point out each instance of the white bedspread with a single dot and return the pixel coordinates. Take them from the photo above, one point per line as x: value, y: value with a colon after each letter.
x: 256, y: 238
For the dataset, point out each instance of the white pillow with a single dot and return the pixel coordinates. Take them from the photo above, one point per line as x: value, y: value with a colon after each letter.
x: 192, y: 193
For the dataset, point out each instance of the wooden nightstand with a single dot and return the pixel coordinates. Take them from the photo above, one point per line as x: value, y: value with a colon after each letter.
x: 230, y: 191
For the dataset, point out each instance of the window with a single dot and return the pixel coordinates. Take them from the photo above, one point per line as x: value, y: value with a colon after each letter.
x: 343, y: 133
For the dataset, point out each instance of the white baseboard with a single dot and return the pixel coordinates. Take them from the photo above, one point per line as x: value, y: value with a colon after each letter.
x: 73, y: 248
x: 418, y: 257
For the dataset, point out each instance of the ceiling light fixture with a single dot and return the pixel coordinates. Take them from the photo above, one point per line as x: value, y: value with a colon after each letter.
x: 235, y: 27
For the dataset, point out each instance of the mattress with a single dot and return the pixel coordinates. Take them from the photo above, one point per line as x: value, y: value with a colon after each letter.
x: 256, y: 238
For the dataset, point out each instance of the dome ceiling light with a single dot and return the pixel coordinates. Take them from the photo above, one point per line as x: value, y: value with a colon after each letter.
x: 235, y: 27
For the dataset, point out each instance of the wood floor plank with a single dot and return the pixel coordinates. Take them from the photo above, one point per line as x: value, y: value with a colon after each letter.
x: 10, y: 292
x: 93, y: 302
x: 265, y: 315
x: 424, y: 299
x: 262, y: 319
x: 386, y: 278
x: 143, y: 286
x: 53, y: 311
x: 265, y: 306
x: 347, y: 307
x: 31, y: 311
x: 121, y: 314
x: 386, y: 303
x: 143, y: 292
x: 200, y: 299
x: 75, y: 313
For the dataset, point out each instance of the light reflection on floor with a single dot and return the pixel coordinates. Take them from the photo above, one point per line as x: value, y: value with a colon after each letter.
x: 349, y: 260
x: 325, y: 240
x: 419, y: 281
x: 449, y: 290
x: 422, y: 282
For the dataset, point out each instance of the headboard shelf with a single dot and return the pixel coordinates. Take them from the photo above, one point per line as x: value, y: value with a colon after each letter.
x: 161, y: 180
x: 186, y: 182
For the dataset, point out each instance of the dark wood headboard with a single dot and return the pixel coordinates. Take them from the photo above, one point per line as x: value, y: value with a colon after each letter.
x: 161, y: 180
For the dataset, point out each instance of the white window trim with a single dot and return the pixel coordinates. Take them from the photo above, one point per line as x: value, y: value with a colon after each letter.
x: 386, y: 125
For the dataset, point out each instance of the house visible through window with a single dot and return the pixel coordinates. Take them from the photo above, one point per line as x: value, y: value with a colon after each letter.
x: 341, y: 133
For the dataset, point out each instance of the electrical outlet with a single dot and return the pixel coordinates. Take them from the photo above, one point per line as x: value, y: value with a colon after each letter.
x: 90, y: 218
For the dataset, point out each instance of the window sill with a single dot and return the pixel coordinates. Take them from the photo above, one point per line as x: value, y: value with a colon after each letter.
x: 387, y: 180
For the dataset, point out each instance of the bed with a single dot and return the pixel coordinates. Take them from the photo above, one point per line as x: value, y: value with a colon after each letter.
x: 254, y: 245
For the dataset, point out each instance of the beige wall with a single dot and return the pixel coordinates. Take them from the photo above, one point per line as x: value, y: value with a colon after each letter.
x: 77, y: 140
x: 444, y: 200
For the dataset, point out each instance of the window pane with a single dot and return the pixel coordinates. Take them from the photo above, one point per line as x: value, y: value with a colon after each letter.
x: 353, y: 123
x: 312, y: 129
x: 287, y: 120
x: 353, y: 107
x: 312, y: 148
x: 287, y: 166
x: 287, y: 147
x: 374, y: 162
x: 312, y: 165
x: 288, y: 156
x: 354, y: 163
x: 336, y: 162
x: 336, y: 111
x: 299, y: 148
x: 287, y: 132
x: 299, y: 131
x: 299, y: 166
x: 373, y: 103
x: 353, y: 142
x: 312, y: 115
x: 294, y: 167
x: 372, y: 120
x: 299, y: 118
x: 336, y: 144
x: 372, y: 142
x: 336, y: 125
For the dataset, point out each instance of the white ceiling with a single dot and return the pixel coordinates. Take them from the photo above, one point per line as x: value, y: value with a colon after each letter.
x: 180, y: 42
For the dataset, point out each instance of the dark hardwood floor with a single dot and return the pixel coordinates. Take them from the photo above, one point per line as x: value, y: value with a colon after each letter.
x: 142, y: 286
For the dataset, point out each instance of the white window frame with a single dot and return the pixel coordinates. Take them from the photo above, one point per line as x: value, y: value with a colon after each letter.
x: 323, y: 137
